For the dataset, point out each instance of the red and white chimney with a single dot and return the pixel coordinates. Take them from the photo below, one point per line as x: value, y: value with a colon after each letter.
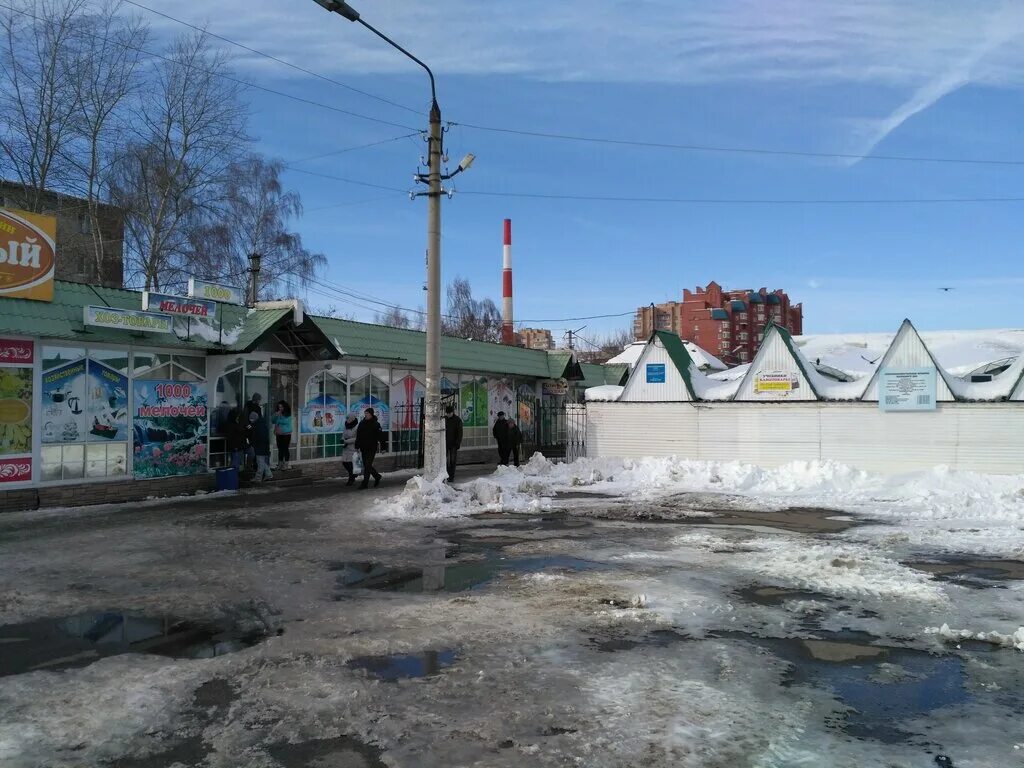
x: 508, y: 334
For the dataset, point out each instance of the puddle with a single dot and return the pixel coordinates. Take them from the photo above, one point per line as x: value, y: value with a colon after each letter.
x: 405, y: 665
x: 659, y: 638
x: 77, y: 641
x: 342, y: 752
x: 775, y: 596
x: 882, y: 685
x: 973, y: 573
x: 454, y: 577
x: 796, y: 519
x: 239, y: 522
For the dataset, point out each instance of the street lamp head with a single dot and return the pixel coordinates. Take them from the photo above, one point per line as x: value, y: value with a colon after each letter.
x: 340, y: 8
x: 466, y: 162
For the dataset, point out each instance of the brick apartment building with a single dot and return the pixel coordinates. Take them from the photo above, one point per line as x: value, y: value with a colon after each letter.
x: 77, y: 240
x: 728, y: 324
x: 535, y: 338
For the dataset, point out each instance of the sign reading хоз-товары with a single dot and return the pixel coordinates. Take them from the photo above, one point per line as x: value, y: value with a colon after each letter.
x: 129, y: 319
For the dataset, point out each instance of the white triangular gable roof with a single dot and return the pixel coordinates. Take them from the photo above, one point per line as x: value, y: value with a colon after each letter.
x: 775, y: 356
x: 908, y: 350
x: 637, y: 390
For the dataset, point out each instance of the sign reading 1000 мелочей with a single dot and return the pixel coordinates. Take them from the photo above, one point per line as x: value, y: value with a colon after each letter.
x: 128, y: 319
x: 200, y: 289
x: 178, y: 305
x: 906, y: 389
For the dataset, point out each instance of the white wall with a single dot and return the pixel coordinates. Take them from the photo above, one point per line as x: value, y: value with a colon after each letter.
x: 774, y: 357
x: 982, y: 437
x: 909, y: 351
x: 638, y: 390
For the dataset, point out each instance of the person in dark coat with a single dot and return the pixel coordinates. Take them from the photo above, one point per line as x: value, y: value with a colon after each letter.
x: 234, y: 436
x: 255, y: 404
x: 259, y: 438
x: 452, y: 439
x: 515, y: 440
x: 500, y: 432
x: 369, y: 438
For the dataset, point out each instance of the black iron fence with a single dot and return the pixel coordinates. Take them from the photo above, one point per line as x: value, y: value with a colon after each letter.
x: 561, y: 431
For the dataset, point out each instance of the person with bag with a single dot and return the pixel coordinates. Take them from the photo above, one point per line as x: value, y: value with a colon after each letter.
x: 515, y: 440
x: 500, y: 432
x: 282, y: 421
x: 369, y: 439
x: 348, y: 452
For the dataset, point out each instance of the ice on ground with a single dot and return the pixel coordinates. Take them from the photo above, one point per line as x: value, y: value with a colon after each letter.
x: 1012, y: 640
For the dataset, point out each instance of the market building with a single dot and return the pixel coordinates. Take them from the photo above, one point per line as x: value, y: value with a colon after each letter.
x: 113, y: 394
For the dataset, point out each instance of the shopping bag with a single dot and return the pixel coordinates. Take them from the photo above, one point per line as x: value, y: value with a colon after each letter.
x: 357, y: 463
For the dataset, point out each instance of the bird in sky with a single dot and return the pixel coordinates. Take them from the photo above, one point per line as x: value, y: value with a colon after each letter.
x: 945, y: 289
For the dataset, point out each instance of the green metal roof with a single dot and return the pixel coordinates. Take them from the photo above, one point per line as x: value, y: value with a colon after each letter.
x: 787, y: 339
x: 719, y: 314
x: 62, y: 318
x: 595, y: 375
x: 397, y: 345
x: 255, y: 326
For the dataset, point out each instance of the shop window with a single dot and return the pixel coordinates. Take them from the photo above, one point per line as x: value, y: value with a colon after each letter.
x: 323, y: 415
x: 85, y: 422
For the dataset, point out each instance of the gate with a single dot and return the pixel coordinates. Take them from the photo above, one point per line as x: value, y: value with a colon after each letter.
x: 562, y: 431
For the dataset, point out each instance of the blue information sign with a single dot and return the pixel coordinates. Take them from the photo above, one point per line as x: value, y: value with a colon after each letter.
x: 906, y: 389
x: 655, y: 373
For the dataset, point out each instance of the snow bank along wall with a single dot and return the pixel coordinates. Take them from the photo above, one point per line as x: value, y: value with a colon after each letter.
x: 909, y: 415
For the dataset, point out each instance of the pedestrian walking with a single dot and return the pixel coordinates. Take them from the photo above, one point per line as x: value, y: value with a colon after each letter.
x: 500, y: 432
x: 452, y: 439
x: 259, y: 438
x: 515, y: 440
x: 282, y: 422
x: 235, y: 436
x: 348, y: 451
x: 369, y: 438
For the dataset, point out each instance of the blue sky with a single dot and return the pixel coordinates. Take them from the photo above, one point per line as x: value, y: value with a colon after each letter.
x: 918, y: 77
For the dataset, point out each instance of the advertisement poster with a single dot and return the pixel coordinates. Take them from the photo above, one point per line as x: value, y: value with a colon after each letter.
x: 655, y: 373
x: 405, y: 402
x: 15, y: 424
x: 108, y: 403
x: 64, y: 404
x: 28, y: 255
x: 169, y: 428
x: 379, y: 407
x: 527, y: 397
x: 500, y: 397
x: 776, y: 383
x: 474, y: 403
x: 323, y: 415
x: 906, y: 389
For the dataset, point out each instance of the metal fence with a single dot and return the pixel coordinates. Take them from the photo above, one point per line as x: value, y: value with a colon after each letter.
x: 561, y: 431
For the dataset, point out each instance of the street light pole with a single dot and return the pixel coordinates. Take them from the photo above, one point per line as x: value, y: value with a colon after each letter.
x: 433, y: 433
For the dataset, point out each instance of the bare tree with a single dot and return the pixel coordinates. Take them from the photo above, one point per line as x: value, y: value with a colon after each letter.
x: 105, y: 73
x: 38, y: 98
x: 191, y: 128
x: 469, y: 318
x: 604, y: 348
x: 393, y: 317
x: 253, y: 217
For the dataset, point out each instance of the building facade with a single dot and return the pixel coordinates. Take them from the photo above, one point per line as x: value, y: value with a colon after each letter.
x: 536, y: 338
x: 728, y: 324
x: 91, y: 245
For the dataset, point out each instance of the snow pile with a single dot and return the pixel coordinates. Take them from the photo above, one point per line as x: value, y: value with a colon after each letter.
x: 502, y: 492
x: 1014, y: 640
x: 605, y: 393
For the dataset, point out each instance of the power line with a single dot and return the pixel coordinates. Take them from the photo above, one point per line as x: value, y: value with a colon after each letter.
x: 749, y: 201
x: 574, y: 319
x: 345, y: 180
x: 352, y: 149
x: 273, y: 58
x: 224, y: 75
x: 739, y: 150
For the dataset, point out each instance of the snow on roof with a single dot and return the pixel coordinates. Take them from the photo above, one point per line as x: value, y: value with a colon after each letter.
x: 958, y: 352
x: 704, y: 359
x: 605, y: 393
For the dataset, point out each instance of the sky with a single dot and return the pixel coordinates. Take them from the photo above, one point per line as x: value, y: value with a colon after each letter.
x: 909, y: 78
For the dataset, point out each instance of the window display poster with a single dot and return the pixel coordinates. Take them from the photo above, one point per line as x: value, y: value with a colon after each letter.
x: 500, y: 398
x: 474, y: 403
x: 527, y: 397
x: 405, y: 402
x: 323, y: 415
x: 64, y: 404
x: 380, y: 408
x: 108, y: 403
x: 169, y: 428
